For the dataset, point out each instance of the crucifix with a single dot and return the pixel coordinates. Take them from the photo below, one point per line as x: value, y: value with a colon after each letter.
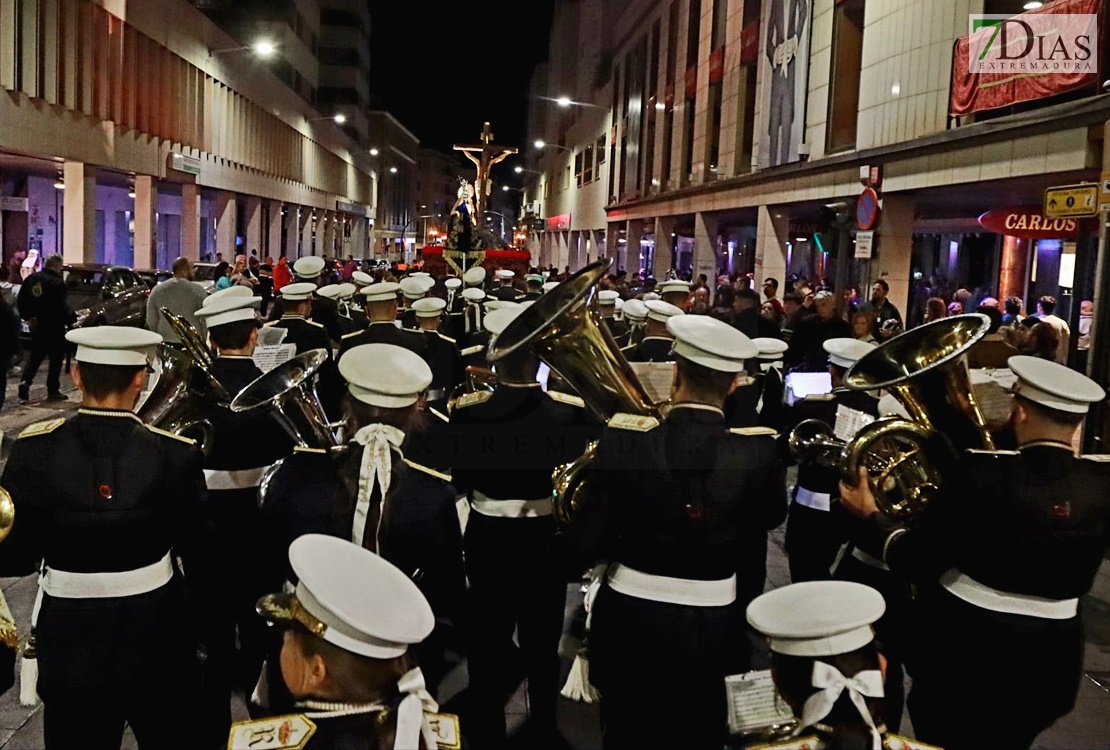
x: 484, y: 156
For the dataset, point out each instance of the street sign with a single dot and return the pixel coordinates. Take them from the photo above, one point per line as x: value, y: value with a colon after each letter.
x: 867, y: 209
x: 865, y: 241
x: 1071, y: 201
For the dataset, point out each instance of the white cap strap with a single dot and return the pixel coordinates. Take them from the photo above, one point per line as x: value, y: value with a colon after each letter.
x: 831, y: 683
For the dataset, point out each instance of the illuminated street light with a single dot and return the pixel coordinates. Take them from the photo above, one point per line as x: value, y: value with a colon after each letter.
x: 541, y: 144
x: 264, y: 48
x: 563, y: 101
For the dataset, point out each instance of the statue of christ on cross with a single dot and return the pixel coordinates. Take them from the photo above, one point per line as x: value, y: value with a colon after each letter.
x: 484, y: 156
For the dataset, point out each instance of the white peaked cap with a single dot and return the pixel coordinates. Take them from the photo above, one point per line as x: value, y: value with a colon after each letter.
x: 473, y: 294
x: 232, y: 291
x: 351, y: 598
x: 362, y: 278
x: 817, y: 618
x: 309, y: 267
x: 383, y: 292
x: 770, y: 348
x: 229, y: 310
x: 474, y: 275
x: 549, y: 285
x: 635, y: 310
x: 661, y: 311
x: 845, y: 352
x: 674, y: 285
x: 385, y: 375
x: 346, y: 289
x: 331, y: 291
x: 429, y: 307
x: 125, y: 346
x: 505, y: 273
x: 1054, y: 386
x: 300, y: 291
x: 452, y: 283
x: 413, y: 288
x: 710, y: 342
x: 498, y: 320
x: 608, y: 297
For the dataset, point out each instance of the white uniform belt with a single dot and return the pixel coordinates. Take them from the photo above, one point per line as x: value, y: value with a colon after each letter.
x: 238, y: 479
x: 867, y: 559
x: 981, y: 595
x: 65, y: 585
x: 487, y: 506
x: 682, y: 591
x: 810, y: 499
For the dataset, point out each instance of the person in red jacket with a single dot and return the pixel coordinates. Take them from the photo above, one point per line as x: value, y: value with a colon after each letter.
x: 282, y: 274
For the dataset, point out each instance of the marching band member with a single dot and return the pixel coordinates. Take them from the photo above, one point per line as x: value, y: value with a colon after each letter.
x: 657, y: 341
x: 675, y: 292
x: 506, y: 292
x: 375, y: 497
x: 827, y: 665
x: 325, y: 311
x: 105, y: 504
x: 813, y: 534
x: 535, y: 287
x: 672, y: 501
x: 381, y: 311
x: 243, y: 446
x: 507, y: 443
x: 412, y: 289
x: 635, y: 313
x: 307, y: 335
x: 442, y: 354
x: 348, y: 631
x: 607, y: 306
x: 1000, y: 558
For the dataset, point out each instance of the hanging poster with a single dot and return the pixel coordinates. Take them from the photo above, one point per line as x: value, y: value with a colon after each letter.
x: 782, y: 81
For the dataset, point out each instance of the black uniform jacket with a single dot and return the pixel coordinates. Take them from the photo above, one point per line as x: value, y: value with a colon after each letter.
x: 676, y: 498
x: 383, y: 332
x: 652, y: 349
x: 315, y: 492
x: 308, y: 335
x: 325, y: 311
x: 42, y: 298
x: 823, y: 407
x: 102, y: 492
x: 442, y: 356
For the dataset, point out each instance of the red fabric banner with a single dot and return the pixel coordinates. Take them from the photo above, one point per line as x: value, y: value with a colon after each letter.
x: 976, y: 92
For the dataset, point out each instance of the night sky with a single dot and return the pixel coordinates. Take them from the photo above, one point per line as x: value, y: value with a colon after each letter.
x: 428, y: 68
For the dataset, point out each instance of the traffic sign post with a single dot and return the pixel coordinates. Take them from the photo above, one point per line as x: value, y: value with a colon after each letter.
x: 867, y: 210
x: 1071, y: 201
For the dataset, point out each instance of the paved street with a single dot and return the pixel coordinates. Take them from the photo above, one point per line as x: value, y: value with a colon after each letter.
x: 1088, y: 726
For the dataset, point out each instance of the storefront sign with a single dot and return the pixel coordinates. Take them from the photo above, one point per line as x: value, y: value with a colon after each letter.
x: 358, y: 209
x: 12, y: 203
x: 560, y: 223
x: 865, y: 242
x: 182, y: 163
x: 1027, y: 223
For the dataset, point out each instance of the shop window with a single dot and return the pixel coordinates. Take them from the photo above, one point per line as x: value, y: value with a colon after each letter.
x: 844, y: 76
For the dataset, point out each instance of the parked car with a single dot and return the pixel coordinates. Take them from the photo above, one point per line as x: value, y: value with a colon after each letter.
x: 106, y: 295
x: 205, y: 275
x: 153, y: 277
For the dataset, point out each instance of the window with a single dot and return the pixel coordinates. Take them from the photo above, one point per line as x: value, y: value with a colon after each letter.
x: 566, y: 178
x: 338, y: 56
x: 600, y: 150
x: 578, y: 167
x: 587, y: 165
x: 844, y: 75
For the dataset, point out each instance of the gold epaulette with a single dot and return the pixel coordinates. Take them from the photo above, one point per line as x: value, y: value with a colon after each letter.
x: 470, y: 399
x: 448, y: 339
x: 637, y: 422
x: 984, y: 452
x: 42, y: 428
x: 346, y: 336
x: 566, y: 398
x: 291, y: 732
x: 306, y: 449
x: 445, y: 727
x: 753, y: 431
x: 314, y: 323
x: 820, y: 397
x: 271, y: 323
x: 1098, y: 458
x: 628, y: 348
x: 426, y: 470
x: 471, y: 350
x: 898, y: 742
x: 158, y: 431
x: 438, y: 414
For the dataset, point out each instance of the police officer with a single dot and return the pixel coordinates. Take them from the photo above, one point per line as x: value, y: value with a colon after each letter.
x: 381, y: 311
x: 243, y: 446
x: 657, y: 341
x: 307, y: 335
x: 814, y: 535
x: 325, y: 311
x: 106, y: 504
x: 347, y: 632
x: 43, y: 306
x: 376, y: 498
x: 506, y: 445
x: 672, y: 499
x: 1000, y: 558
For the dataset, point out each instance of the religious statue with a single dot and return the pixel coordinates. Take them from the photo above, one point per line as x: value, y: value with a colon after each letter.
x: 463, y: 219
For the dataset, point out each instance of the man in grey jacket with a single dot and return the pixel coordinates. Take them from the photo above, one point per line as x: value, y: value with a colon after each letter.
x: 181, y: 296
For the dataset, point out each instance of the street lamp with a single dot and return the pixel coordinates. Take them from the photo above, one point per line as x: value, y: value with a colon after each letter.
x: 542, y: 144
x: 339, y: 118
x: 522, y: 170
x: 263, y: 49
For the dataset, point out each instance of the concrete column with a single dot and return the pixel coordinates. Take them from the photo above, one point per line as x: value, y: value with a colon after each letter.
x: 274, y: 247
x: 146, y: 199
x: 895, y: 249
x: 253, y: 218
x: 662, y: 258
x: 1014, y: 266
x: 705, y: 246
x: 634, y: 232
x: 319, y: 246
x: 562, y: 242
x: 306, y: 247
x: 772, y: 234
x: 190, y: 221
x: 79, y: 213
x: 333, y: 239
x: 292, y: 230
x: 226, y: 215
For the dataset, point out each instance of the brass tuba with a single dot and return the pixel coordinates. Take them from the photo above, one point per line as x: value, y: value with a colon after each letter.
x: 563, y: 329
x: 185, y: 387
x: 288, y: 391
x: 926, y: 370
x: 477, y: 379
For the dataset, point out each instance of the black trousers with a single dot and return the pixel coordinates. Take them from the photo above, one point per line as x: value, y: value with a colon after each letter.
x: 55, y: 350
x: 95, y: 719
x: 516, y: 584
x: 813, y: 538
x: 660, y: 670
x: 988, y: 679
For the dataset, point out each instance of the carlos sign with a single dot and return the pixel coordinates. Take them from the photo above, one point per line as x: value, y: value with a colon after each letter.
x: 1028, y: 223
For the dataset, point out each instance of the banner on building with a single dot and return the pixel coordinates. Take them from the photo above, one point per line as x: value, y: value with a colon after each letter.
x: 784, y: 64
x: 1040, y: 53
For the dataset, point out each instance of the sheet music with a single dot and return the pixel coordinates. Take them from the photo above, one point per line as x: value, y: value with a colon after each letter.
x: 269, y: 357
x: 993, y: 393
x: 657, y: 379
x: 850, y: 421
x: 754, y: 705
x: 271, y: 335
x: 798, y: 385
